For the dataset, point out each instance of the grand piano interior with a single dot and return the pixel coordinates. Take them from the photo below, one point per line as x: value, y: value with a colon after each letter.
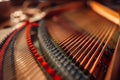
x: 59, y: 39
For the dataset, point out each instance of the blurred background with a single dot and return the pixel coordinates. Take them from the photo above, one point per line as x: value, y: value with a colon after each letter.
x: 13, y: 11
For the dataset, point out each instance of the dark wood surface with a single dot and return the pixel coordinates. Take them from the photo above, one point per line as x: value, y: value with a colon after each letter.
x: 114, y: 69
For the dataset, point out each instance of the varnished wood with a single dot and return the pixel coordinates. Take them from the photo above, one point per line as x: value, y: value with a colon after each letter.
x: 114, y: 68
